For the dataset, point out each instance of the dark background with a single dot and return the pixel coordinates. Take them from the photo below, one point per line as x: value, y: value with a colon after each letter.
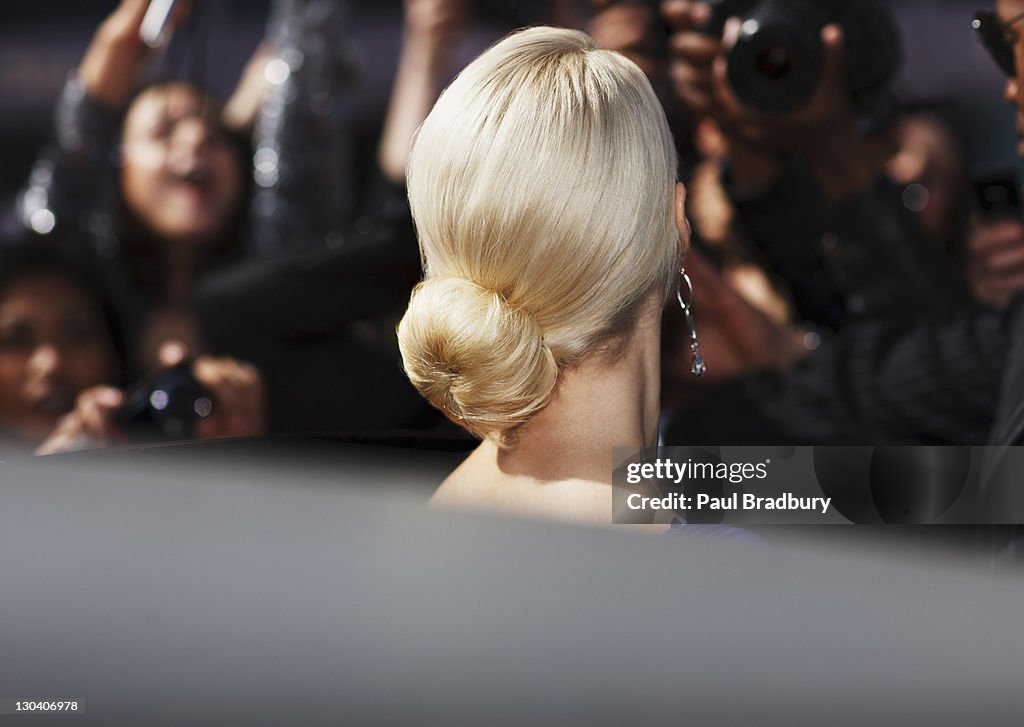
x: 40, y: 42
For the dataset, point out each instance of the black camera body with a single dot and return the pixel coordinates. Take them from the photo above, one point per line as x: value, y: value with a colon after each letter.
x: 777, y: 60
x: 166, y: 407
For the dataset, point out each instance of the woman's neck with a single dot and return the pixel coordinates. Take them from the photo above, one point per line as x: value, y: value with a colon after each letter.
x: 560, y: 466
x: 602, y: 403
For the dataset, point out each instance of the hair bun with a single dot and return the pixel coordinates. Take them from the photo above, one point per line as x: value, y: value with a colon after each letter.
x: 477, y: 358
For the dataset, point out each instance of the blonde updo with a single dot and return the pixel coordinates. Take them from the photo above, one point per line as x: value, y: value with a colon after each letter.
x: 542, y: 187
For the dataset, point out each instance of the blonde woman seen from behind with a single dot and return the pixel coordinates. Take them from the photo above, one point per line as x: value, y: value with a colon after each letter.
x: 543, y: 186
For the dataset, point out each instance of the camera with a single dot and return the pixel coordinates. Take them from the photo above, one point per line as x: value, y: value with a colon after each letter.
x: 166, y: 407
x: 777, y: 60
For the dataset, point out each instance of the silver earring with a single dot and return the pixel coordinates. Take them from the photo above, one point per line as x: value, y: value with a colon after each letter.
x: 698, y: 368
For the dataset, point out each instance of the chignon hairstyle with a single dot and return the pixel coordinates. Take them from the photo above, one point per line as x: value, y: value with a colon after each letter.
x: 542, y: 187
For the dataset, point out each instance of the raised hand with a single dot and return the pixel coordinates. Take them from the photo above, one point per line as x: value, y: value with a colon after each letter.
x: 89, y: 425
x: 237, y: 388
x: 628, y: 29
x: 436, y: 23
x: 432, y: 29
x: 110, y: 69
x: 822, y: 131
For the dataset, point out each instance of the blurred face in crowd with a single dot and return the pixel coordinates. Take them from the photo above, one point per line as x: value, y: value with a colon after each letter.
x: 1008, y: 12
x: 54, y: 343
x: 927, y: 153
x: 181, y: 175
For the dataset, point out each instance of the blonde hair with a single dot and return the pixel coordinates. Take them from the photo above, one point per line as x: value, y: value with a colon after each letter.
x: 542, y: 187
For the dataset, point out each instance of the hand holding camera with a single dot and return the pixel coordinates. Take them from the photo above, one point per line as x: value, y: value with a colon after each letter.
x: 786, y: 77
x: 780, y: 56
x: 206, y: 398
x: 824, y: 117
x: 236, y: 387
x: 755, y: 93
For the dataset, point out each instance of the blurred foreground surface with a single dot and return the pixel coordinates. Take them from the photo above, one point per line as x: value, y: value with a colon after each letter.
x: 177, y: 588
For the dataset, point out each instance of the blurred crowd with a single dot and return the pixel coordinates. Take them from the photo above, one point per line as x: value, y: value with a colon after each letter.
x: 179, y: 265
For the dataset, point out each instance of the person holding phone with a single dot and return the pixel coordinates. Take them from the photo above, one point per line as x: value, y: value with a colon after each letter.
x: 995, y: 241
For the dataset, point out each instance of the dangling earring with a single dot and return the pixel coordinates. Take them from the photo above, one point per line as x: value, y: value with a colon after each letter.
x: 698, y: 368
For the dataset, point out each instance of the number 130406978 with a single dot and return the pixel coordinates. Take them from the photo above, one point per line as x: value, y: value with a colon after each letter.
x: 42, y: 705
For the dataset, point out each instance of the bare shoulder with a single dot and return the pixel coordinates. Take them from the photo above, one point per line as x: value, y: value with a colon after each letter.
x: 578, y: 501
x: 468, y: 480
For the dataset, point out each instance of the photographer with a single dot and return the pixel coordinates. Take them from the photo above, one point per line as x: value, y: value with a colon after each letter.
x: 62, y: 362
x: 58, y: 336
x: 766, y: 181
x: 808, y: 184
x: 235, y: 387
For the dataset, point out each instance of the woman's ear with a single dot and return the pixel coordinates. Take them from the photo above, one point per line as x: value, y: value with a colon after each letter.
x: 681, y: 222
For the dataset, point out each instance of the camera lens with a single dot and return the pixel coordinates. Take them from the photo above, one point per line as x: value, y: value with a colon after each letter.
x: 167, y: 407
x: 777, y: 60
x: 775, y: 64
